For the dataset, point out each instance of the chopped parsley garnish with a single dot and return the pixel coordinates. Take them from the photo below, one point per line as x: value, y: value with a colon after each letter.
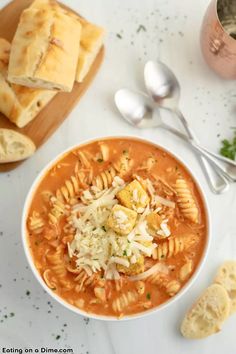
x: 118, y: 35
x: 100, y: 160
x: 124, y: 253
x: 141, y: 28
x: 148, y: 296
x: 104, y: 229
x: 228, y: 148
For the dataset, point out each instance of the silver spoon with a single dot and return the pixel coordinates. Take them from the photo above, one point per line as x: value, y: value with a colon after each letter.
x: 164, y: 88
x: 138, y: 110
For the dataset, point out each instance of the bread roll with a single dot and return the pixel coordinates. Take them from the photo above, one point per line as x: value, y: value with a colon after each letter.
x: 45, y: 49
x: 18, y: 103
x: 91, y: 40
x: 226, y: 276
x: 14, y: 146
x: 207, y: 314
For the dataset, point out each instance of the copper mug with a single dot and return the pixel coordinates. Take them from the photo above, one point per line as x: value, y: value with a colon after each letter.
x: 218, y: 37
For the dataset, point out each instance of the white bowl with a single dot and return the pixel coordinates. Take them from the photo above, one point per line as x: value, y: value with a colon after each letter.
x: 75, y: 309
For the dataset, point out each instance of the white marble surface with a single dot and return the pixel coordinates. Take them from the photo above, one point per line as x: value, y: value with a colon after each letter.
x: 172, y: 34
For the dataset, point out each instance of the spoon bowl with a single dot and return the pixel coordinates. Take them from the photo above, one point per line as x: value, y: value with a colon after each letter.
x: 162, y: 85
x: 137, y: 109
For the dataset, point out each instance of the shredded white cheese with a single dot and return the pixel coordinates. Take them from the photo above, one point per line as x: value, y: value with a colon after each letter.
x: 97, y: 247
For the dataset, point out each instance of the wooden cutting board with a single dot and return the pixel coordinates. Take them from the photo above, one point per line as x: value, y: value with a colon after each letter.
x: 52, y: 116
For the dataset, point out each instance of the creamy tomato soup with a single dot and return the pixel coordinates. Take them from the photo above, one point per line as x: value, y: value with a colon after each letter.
x: 116, y: 227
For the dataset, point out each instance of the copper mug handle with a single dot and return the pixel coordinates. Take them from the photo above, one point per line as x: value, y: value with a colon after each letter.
x: 215, y: 45
x: 218, y: 47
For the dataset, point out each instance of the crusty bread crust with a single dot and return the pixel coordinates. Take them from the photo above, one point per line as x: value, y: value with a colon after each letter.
x: 18, y: 103
x: 45, y: 49
x: 92, y: 37
x: 14, y: 146
x: 207, y: 314
x: 226, y: 276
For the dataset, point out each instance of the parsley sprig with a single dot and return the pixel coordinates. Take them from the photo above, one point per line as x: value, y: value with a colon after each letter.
x: 228, y: 148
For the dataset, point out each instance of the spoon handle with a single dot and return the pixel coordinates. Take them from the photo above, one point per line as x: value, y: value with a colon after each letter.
x: 216, y: 177
x: 226, y: 166
x: 221, y: 182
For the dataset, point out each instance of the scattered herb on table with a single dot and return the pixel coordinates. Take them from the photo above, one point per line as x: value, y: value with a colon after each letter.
x: 141, y: 28
x: 58, y: 337
x: 27, y: 292
x: 228, y: 148
x: 118, y: 35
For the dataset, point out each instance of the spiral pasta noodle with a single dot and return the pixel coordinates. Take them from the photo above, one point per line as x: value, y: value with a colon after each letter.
x: 186, y: 201
x: 58, y: 267
x: 119, y: 168
x: 124, y: 164
x: 58, y: 209
x: 171, y: 286
x: 173, y: 246
x: 123, y: 301
x: 36, y: 223
x: 105, y: 178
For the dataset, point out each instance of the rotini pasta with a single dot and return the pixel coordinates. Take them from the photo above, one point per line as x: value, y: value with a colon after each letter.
x: 36, y: 223
x: 57, y: 211
x: 174, y: 246
x: 186, y: 201
x: 115, y: 227
x: 69, y: 190
x: 186, y: 270
x: 171, y: 286
x: 124, y: 164
x: 124, y: 300
x: 105, y: 178
x: 58, y: 267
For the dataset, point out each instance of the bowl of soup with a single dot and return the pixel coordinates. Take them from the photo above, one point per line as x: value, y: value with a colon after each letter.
x: 116, y: 228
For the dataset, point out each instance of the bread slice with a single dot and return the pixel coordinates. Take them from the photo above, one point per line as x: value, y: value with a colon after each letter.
x: 18, y: 103
x: 92, y: 38
x: 14, y: 146
x: 45, y: 50
x: 207, y: 314
x: 91, y: 41
x: 226, y: 276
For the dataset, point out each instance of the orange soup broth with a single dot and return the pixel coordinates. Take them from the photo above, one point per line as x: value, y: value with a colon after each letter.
x: 168, y: 169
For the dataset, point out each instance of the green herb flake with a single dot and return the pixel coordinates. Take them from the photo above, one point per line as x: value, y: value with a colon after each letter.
x: 141, y: 28
x: 148, y: 296
x: 118, y: 35
x: 58, y: 337
x: 124, y: 253
x: 100, y: 160
x: 12, y: 314
x: 27, y: 292
x: 228, y: 148
x: 104, y: 229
